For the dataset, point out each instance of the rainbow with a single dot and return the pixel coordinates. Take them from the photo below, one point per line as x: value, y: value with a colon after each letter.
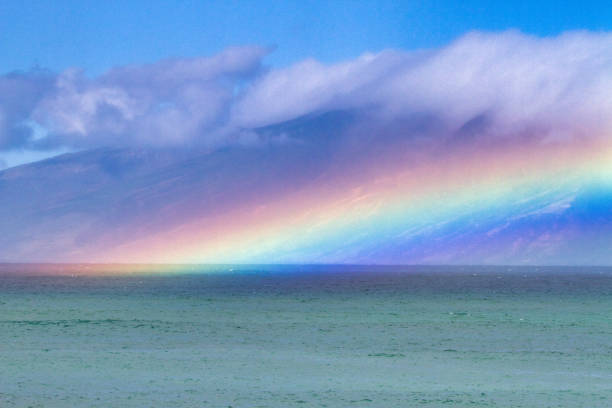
x: 394, y: 210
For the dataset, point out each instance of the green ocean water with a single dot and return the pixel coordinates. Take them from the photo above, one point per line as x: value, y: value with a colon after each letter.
x: 310, y: 337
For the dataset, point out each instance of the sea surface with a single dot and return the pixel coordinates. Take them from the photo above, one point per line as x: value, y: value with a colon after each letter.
x: 309, y: 337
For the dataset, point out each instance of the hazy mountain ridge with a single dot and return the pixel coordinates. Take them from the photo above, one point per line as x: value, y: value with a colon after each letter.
x: 61, y: 207
x: 65, y: 208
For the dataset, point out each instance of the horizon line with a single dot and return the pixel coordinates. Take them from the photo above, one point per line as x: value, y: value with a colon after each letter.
x: 39, y: 269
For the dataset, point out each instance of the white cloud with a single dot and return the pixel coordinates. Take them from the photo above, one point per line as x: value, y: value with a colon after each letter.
x: 518, y: 82
x: 167, y: 103
x: 501, y: 84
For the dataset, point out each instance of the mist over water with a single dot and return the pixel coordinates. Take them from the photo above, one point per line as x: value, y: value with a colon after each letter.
x: 340, y: 336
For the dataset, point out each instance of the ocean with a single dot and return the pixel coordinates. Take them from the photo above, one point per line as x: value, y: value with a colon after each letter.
x: 309, y: 336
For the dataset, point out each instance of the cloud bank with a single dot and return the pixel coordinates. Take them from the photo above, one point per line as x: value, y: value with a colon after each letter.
x: 494, y: 85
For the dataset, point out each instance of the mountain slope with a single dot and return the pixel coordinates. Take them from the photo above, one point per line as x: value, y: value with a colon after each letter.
x: 301, y: 201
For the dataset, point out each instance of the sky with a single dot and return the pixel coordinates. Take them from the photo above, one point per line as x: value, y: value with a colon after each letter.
x: 95, y: 36
x: 334, y: 132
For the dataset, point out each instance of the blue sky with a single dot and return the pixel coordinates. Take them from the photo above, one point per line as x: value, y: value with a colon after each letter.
x: 96, y: 35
